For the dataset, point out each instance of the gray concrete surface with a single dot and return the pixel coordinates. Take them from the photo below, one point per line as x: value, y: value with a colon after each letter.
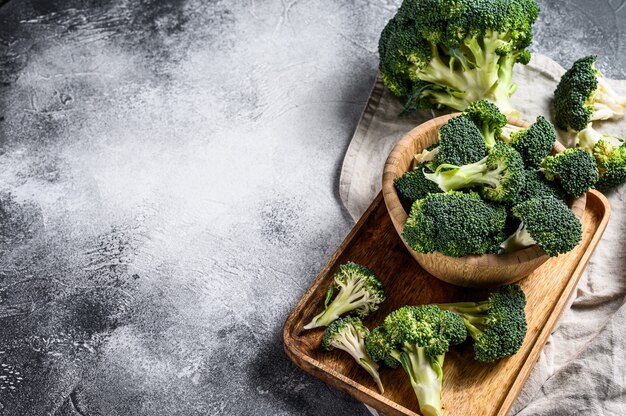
x: 168, y: 189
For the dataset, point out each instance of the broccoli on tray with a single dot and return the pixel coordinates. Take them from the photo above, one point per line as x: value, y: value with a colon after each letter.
x: 497, y: 325
x: 360, y: 292
x: 547, y: 222
x: 453, y: 52
x: 583, y: 95
x: 348, y: 334
x: 418, y: 337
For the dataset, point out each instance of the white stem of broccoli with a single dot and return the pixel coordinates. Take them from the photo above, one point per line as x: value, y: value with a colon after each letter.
x: 518, y: 240
x: 354, y: 344
x: 426, y: 380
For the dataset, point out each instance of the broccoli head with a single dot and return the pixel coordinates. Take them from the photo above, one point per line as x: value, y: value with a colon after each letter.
x: 349, y: 334
x: 455, y: 224
x: 575, y: 169
x: 413, y: 185
x: 500, y: 175
x: 418, y: 337
x: 537, y: 186
x: 453, y: 52
x: 360, y: 292
x: 547, y: 222
x: 533, y: 143
x: 380, y: 348
x: 497, y: 325
x: 487, y: 116
x: 610, y: 155
x: 584, y: 95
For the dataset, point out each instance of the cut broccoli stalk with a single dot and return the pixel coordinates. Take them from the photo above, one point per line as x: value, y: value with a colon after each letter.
x: 360, y: 291
x: 418, y: 337
x: 497, y: 325
x: 348, y: 334
x: 609, y: 152
x: 501, y: 174
x: 518, y: 240
x: 584, y: 95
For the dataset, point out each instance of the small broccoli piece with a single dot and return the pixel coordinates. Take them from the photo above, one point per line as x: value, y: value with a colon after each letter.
x: 537, y: 186
x: 460, y: 142
x: 533, y: 143
x: 418, y: 337
x: 455, y: 224
x: 575, y: 169
x: 380, y: 348
x: 413, y: 185
x: 488, y: 118
x: 546, y: 222
x: 610, y: 155
x: 497, y: 325
x: 427, y: 155
x: 584, y: 95
x: 349, y: 334
x: 360, y: 292
x: 500, y: 175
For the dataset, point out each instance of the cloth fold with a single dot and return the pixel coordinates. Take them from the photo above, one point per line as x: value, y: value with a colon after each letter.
x: 583, y: 366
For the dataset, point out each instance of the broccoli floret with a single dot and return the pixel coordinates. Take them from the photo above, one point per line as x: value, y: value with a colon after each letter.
x: 454, y: 52
x: 360, y: 292
x: 455, y: 224
x: 497, y: 325
x: 488, y: 118
x: 413, y: 185
x: 500, y: 174
x: 533, y: 143
x: 460, y: 142
x: 584, y: 95
x: 380, y: 349
x: 610, y: 154
x: 547, y: 222
x: 537, y: 186
x: 575, y: 169
x: 418, y: 337
x: 348, y: 334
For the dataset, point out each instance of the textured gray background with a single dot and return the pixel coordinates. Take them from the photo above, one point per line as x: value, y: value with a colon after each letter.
x: 168, y: 189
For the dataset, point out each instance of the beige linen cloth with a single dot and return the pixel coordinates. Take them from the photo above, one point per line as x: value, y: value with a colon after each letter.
x: 582, y: 369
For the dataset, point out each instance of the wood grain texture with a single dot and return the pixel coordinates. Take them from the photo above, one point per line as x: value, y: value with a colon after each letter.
x: 470, y: 388
x: 488, y: 270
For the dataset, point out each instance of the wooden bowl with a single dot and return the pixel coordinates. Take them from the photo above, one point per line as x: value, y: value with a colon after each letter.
x: 487, y: 270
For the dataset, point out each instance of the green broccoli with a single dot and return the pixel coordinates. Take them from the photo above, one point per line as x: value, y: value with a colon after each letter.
x: 454, y: 52
x: 360, y: 291
x: 584, y: 95
x: 348, y: 334
x: 488, y: 118
x: 460, y: 142
x: 547, y: 222
x: 536, y: 186
x: 455, y: 224
x: 413, y: 185
x: 610, y: 155
x: 500, y: 174
x: 418, y: 337
x: 497, y: 325
x: 575, y: 169
x: 533, y: 143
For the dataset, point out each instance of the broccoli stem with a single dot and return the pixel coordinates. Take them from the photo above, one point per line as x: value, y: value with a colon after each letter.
x: 508, y: 130
x: 354, y: 345
x: 350, y: 297
x: 518, y: 240
x: 607, y: 104
x: 426, y: 378
x: 483, y: 73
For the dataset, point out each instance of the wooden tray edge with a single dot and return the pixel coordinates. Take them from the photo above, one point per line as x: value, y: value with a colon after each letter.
x: 388, y: 407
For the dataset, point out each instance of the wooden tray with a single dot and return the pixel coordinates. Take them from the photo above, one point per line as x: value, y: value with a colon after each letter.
x: 470, y: 388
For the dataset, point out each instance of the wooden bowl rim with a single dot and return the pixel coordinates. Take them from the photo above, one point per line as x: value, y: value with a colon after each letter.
x: 399, y: 216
